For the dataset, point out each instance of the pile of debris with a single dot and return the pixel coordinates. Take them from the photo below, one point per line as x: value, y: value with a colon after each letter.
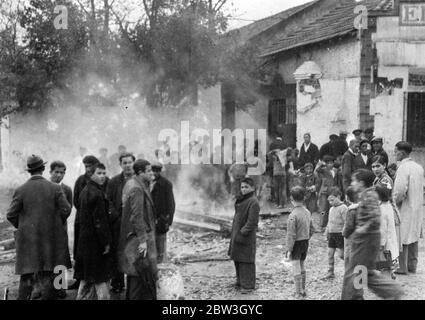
x: 186, y: 220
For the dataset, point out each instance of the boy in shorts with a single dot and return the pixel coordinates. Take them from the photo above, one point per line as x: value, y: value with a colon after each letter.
x: 300, y: 230
x: 337, y: 217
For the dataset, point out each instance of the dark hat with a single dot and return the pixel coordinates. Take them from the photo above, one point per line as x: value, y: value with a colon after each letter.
x: 369, y: 131
x: 157, y: 166
x: 357, y: 131
x: 378, y: 140
x: 333, y: 137
x: 92, y: 160
x: 34, y: 162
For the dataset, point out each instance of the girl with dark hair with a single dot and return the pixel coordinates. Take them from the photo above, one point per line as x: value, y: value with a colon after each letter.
x: 382, y: 179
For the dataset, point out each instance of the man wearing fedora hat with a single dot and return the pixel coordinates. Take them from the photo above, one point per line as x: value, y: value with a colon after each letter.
x: 38, y: 211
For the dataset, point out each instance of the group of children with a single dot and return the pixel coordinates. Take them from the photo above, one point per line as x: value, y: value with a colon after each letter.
x: 340, y: 227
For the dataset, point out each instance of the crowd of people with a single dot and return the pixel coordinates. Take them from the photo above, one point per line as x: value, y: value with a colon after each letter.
x: 371, y: 212
x: 120, y: 229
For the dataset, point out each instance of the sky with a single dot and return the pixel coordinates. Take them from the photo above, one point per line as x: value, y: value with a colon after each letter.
x: 251, y: 10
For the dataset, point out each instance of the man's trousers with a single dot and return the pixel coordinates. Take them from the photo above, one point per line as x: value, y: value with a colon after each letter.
x: 409, y: 258
x: 245, y: 275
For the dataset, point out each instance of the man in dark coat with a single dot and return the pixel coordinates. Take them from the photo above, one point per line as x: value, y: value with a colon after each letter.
x: 348, y: 167
x: 163, y: 199
x: 328, y: 149
x: 309, y: 152
x: 242, y: 247
x: 57, y: 173
x: 364, y: 159
x: 93, y: 263
x: 137, y: 235
x: 114, y: 194
x: 89, y: 163
x: 341, y: 145
x: 38, y: 211
x: 377, y: 149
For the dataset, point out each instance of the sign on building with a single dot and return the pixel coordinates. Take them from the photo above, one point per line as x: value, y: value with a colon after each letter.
x: 412, y: 14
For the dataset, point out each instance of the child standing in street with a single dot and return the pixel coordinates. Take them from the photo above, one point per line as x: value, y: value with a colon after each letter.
x: 300, y: 230
x: 309, y: 182
x: 243, y: 247
x: 351, y: 199
x: 337, y: 216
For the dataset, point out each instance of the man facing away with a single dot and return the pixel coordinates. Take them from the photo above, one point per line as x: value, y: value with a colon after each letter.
x: 114, y: 194
x: 137, y: 236
x: 163, y: 199
x: 408, y: 195
x: 38, y: 211
x: 89, y: 163
x: 93, y: 261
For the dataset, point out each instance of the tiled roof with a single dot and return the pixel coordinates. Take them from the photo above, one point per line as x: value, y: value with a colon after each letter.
x: 336, y: 22
x: 385, y: 5
x: 251, y: 30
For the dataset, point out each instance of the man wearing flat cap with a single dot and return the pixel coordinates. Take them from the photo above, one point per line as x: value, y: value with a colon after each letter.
x: 38, y: 211
x: 378, y: 150
x: 358, y: 135
x: 163, y: 199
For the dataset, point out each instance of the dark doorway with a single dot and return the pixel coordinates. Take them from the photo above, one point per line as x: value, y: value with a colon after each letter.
x: 416, y: 119
x: 283, y: 116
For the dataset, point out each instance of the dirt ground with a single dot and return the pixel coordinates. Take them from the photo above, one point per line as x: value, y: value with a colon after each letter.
x: 211, y: 280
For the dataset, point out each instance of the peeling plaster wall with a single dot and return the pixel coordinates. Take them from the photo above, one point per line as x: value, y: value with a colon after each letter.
x: 340, y: 89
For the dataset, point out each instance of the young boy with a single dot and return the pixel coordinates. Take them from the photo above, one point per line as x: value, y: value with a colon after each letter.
x: 242, y: 248
x: 351, y: 199
x: 309, y: 182
x: 328, y: 178
x: 300, y: 230
x: 337, y: 216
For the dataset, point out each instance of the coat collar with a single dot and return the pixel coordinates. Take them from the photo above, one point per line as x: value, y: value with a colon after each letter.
x: 142, y: 183
x: 37, y: 177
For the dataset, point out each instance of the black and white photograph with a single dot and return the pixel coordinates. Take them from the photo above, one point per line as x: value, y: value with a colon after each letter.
x: 242, y: 151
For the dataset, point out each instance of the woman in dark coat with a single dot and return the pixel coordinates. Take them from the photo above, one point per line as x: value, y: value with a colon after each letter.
x: 93, y: 263
x: 243, y: 239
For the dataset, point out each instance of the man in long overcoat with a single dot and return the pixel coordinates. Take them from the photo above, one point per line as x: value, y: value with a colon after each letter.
x: 38, y: 212
x: 89, y: 163
x: 243, y: 243
x: 114, y: 194
x: 93, y: 263
x: 408, y: 195
x: 137, y: 235
x: 163, y: 199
